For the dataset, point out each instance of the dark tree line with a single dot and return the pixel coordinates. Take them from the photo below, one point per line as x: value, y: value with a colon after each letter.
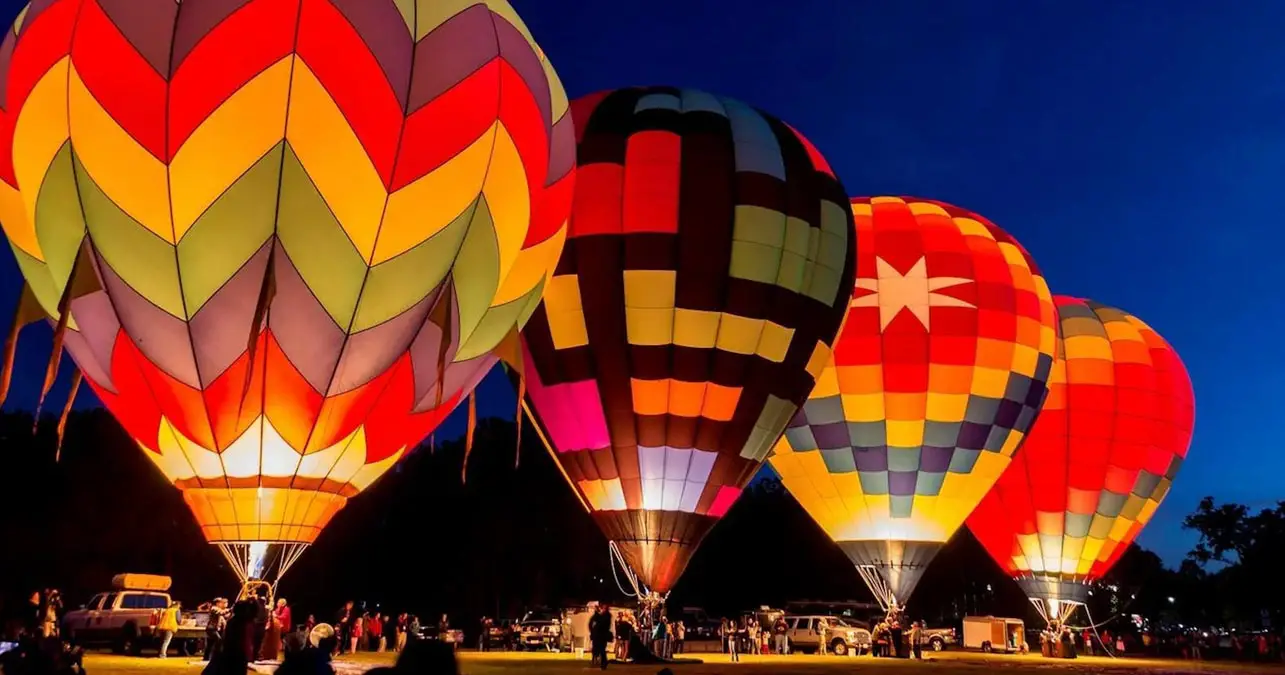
x: 509, y: 539
x: 1239, y: 560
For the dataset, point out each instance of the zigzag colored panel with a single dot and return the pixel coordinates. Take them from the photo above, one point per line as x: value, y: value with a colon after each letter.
x: 1100, y: 458
x: 709, y: 262
x: 939, y: 372
x: 309, y: 223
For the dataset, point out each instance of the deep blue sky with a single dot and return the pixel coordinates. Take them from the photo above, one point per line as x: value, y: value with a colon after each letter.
x: 1133, y: 149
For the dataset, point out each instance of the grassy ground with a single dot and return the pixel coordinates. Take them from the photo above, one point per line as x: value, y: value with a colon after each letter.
x: 949, y: 663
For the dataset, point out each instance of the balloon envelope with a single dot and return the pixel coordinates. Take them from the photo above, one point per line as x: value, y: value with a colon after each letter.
x: 705, y: 276
x: 290, y: 231
x: 1099, y: 460
x: 936, y: 377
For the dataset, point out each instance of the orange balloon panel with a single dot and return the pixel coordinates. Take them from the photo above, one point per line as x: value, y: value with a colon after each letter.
x: 1100, y: 458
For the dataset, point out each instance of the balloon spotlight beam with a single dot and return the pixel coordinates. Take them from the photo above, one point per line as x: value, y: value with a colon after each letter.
x: 261, y: 561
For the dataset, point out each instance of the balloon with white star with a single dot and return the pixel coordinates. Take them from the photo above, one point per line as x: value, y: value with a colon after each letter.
x: 940, y: 369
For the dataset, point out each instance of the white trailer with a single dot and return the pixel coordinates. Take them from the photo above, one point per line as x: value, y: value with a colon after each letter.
x: 994, y: 634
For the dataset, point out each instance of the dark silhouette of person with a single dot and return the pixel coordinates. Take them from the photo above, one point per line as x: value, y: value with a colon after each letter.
x: 261, y: 618
x: 425, y: 657
x: 600, y: 634
x: 216, y: 628
x: 238, y: 642
x: 307, y: 661
x: 36, y: 655
x: 343, y: 623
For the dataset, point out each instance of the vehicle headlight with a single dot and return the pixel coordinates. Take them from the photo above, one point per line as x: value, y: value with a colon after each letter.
x: 852, y: 635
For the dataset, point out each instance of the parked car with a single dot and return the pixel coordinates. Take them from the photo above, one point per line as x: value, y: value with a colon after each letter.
x: 805, y: 632
x: 938, y: 639
x: 698, y: 624
x: 540, y: 631
x: 126, y: 617
x: 453, y: 636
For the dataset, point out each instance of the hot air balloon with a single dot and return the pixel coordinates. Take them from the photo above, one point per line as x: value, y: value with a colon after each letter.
x: 939, y: 371
x: 1100, y: 459
x: 704, y: 279
x: 280, y: 238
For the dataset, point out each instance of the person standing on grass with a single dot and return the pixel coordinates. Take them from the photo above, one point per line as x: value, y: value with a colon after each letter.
x: 215, y: 627
x: 343, y: 624
x: 399, y: 635
x: 167, y: 626
x: 375, y: 631
x: 358, y: 632
x: 600, y: 635
x: 779, y: 630
x: 282, y: 619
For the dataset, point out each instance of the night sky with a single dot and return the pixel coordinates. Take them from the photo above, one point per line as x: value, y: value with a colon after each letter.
x: 1130, y: 149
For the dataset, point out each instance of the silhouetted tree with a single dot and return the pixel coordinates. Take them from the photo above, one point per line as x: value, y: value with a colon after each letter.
x: 1242, y: 553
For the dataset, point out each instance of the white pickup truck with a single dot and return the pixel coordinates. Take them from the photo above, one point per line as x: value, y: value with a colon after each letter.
x: 126, y: 617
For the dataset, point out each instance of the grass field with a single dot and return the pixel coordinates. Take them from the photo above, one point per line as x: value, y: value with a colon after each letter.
x: 948, y: 663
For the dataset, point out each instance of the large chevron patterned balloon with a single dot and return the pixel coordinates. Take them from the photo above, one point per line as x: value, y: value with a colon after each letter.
x: 287, y: 234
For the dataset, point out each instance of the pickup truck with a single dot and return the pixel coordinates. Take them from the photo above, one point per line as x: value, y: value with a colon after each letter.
x: 938, y: 639
x: 126, y: 617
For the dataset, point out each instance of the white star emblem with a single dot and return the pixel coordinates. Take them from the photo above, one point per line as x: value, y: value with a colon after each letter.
x: 914, y: 290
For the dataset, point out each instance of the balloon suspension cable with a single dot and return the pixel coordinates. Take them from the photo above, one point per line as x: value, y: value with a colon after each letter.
x: 878, y: 587
x: 261, y: 561
x: 1056, y: 612
x: 1094, y: 626
x: 66, y: 412
x: 617, y: 559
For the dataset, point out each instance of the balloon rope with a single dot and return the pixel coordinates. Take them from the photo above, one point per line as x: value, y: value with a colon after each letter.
x: 468, y: 434
x: 26, y: 303
x: 60, y: 331
x: 66, y: 412
x: 1092, y: 626
x: 517, y: 418
x: 615, y: 558
x: 289, y: 556
x: 1105, y: 648
x: 553, y: 454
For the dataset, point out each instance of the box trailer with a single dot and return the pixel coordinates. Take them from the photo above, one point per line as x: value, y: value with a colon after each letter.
x: 994, y: 634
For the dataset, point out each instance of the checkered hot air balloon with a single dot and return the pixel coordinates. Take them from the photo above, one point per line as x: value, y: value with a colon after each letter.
x: 939, y: 371
x: 280, y: 237
x: 705, y: 276
x: 1098, y: 462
